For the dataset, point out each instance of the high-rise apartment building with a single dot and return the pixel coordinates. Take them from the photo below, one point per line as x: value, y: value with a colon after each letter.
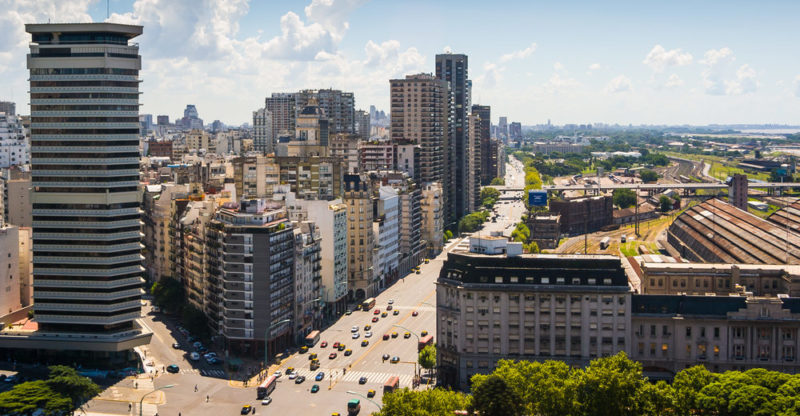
x: 484, y: 131
x: 453, y: 68
x: 363, y: 126
x: 262, y: 131
x: 386, y: 229
x: 472, y: 150
x: 502, y: 128
x: 420, y: 116
x: 358, y: 198
x: 338, y: 106
x: 307, y: 278
x: 282, y: 108
x: 515, y: 130
x: 14, y: 148
x: 8, y: 107
x: 84, y: 83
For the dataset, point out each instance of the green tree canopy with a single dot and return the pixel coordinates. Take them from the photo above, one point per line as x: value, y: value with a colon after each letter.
x: 624, y: 198
x: 498, y: 181
x: 648, y: 176
x: 26, y: 397
x: 492, y: 396
x: 67, y: 382
x: 434, y: 402
x: 665, y: 203
x: 168, y: 293
x: 427, y: 357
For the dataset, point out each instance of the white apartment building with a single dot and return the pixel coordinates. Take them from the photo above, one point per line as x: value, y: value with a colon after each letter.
x: 386, y: 228
x: 432, y: 204
x: 14, y: 147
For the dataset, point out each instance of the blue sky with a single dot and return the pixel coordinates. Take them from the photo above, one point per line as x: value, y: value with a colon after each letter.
x: 676, y: 62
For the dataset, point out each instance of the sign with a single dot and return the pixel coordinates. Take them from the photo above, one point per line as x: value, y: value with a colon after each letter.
x: 537, y: 198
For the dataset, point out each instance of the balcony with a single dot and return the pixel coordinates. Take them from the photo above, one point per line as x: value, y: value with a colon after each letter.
x: 88, y: 296
x: 89, y: 320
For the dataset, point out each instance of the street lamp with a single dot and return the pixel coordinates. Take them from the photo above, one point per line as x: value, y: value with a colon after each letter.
x: 266, y: 340
x: 365, y: 398
x: 412, y: 333
x: 168, y: 386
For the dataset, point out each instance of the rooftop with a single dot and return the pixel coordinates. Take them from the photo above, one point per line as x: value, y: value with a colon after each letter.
x: 787, y: 217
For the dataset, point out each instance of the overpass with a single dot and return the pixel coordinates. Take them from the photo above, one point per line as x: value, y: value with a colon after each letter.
x: 654, y: 187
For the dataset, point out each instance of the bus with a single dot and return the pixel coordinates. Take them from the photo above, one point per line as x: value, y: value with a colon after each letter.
x: 391, y: 385
x: 312, y: 339
x: 423, y: 341
x: 604, y: 243
x: 368, y: 304
x: 266, y: 387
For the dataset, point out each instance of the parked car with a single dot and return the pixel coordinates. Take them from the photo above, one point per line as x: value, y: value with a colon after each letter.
x: 385, y: 336
x: 364, y: 343
x: 407, y: 335
x: 341, y: 347
x: 336, y: 344
x: 194, y: 356
x: 391, y: 301
x: 176, y: 345
x: 394, y: 334
x: 383, y: 315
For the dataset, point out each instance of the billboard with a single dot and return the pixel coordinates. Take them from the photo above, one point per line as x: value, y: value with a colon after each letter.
x: 537, y: 198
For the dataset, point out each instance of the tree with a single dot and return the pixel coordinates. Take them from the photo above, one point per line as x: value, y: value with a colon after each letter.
x: 26, y: 397
x: 427, y: 357
x: 521, y: 233
x: 433, y: 402
x: 531, y: 247
x: 168, y: 293
x: 624, y: 198
x: 687, y: 385
x: 609, y: 385
x: 492, y: 396
x: 648, y: 176
x: 195, y: 321
x: 665, y: 203
x: 448, y: 235
x: 498, y: 181
x: 655, y: 399
x: 66, y: 381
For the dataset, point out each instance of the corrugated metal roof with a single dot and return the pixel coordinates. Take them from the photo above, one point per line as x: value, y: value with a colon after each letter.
x: 789, y: 215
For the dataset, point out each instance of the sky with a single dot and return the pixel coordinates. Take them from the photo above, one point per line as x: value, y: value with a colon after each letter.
x: 627, y: 62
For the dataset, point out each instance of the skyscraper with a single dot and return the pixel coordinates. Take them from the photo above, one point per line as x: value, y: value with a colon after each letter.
x: 502, y: 128
x: 484, y: 113
x: 281, y: 106
x: 263, y: 141
x: 84, y: 83
x: 453, y: 69
x: 338, y: 106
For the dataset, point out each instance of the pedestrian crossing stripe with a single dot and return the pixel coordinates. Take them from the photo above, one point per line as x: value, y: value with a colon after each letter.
x: 405, y: 380
x: 206, y: 373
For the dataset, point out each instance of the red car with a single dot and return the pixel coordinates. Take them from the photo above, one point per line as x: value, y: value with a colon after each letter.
x: 332, y: 355
x: 377, y: 312
x: 375, y: 319
x: 335, y: 345
x: 385, y: 336
x: 324, y: 344
x: 415, y: 313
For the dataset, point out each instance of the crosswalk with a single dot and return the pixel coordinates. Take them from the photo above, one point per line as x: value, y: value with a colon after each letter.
x: 205, y: 373
x: 354, y: 376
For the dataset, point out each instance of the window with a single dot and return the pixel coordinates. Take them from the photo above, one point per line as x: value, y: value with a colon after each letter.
x: 652, y: 349
x: 665, y: 330
x: 498, y: 279
x: 716, y: 332
x: 664, y: 350
x: 738, y: 332
x: 702, y: 331
x: 652, y: 330
x: 716, y: 351
x: 545, y: 280
x: 688, y: 332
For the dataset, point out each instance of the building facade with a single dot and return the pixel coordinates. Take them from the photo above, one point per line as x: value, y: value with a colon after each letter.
x: 359, y: 201
x: 484, y: 114
x: 338, y: 106
x: 86, y: 202
x: 585, y: 214
x: 263, y: 140
x: 386, y: 228
x: 432, y: 208
x: 282, y: 108
x: 14, y: 147
x: 307, y: 279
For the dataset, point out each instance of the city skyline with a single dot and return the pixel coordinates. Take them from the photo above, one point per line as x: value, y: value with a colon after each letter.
x: 581, y: 63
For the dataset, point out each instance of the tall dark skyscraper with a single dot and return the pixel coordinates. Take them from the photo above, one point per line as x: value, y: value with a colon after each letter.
x: 87, y: 253
x: 484, y: 112
x: 453, y: 69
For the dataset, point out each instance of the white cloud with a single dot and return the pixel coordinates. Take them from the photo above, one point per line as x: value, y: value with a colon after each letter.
x: 620, y: 83
x: 558, y: 66
x: 558, y: 83
x: 594, y: 67
x: 659, y: 58
x: 522, y: 53
x: 717, y: 62
x: 797, y: 86
x: 744, y: 83
x: 673, y: 81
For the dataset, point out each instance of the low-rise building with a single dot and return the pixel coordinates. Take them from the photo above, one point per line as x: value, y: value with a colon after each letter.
x: 545, y: 229
x: 584, y: 214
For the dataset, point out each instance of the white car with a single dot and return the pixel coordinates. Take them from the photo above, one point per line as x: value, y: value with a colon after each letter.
x: 367, y: 334
x: 194, y: 356
x: 278, y: 374
x: 354, y: 329
x: 266, y: 401
x: 292, y: 376
x: 355, y: 335
x: 391, y: 301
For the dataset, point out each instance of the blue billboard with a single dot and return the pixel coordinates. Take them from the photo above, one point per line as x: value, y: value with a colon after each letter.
x: 537, y: 198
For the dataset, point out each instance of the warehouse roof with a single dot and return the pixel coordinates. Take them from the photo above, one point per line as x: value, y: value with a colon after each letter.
x: 787, y: 216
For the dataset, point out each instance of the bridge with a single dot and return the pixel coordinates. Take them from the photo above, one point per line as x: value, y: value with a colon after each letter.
x: 654, y: 187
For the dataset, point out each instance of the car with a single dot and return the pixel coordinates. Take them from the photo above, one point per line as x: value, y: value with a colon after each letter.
x: 367, y: 327
x: 320, y: 376
x: 364, y: 343
x: 354, y: 329
x: 394, y: 334
x: 11, y: 379
x: 290, y: 370
x: 172, y: 368
x: 385, y: 357
x: 312, y: 356
x: 176, y: 345
x: 388, y: 308
x: 336, y: 344
x: 386, y: 336
x: 377, y: 312
x: 395, y: 359
x: 395, y: 312
x: 277, y: 374
x: 332, y: 355
x: 266, y: 401
x: 215, y: 360
x: 348, y: 352
x: 315, y: 388
x: 415, y: 313
x: 370, y: 393
x: 349, y: 312
x: 197, y: 344
x: 362, y: 380
x: 356, y: 335
x: 194, y: 356
x: 246, y: 409
x: 419, y: 272
x: 323, y: 344
x: 391, y: 301
x: 156, y: 309
x: 341, y: 347
x: 209, y: 355
x: 375, y: 319
x: 423, y: 333
x: 368, y: 334
x: 292, y: 376
x: 303, y: 349
x: 202, y: 350
x: 427, y: 261
x: 299, y: 379
x: 385, y: 314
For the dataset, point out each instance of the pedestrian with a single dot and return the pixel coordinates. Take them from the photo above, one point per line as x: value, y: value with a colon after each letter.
x: 129, y: 407
x: 207, y: 397
x: 135, y: 385
x: 195, y: 388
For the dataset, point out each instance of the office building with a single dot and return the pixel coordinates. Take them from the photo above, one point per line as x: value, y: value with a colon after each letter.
x: 251, y: 271
x: 502, y: 128
x: 263, y: 141
x: 419, y: 117
x: 162, y: 120
x: 493, y: 302
x: 191, y: 120
x: 86, y: 204
x: 282, y: 108
x: 453, y: 68
x: 484, y: 123
x: 363, y: 126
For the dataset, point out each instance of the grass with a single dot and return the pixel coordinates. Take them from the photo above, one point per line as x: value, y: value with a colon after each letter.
x: 631, y: 248
x: 763, y: 214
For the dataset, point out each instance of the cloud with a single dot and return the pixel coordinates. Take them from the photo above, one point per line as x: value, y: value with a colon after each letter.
x: 594, y: 67
x: 520, y: 54
x: 558, y: 83
x: 619, y: 84
x: 558, y: 66
x: 659, y: 58
x: 674, y: 81
x: 744, y: 83
x: 797, y: 86
x: 717, y: 62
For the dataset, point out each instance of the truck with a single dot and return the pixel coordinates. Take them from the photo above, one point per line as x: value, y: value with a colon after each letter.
x: 604, y: 243
x: 353, y: 406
